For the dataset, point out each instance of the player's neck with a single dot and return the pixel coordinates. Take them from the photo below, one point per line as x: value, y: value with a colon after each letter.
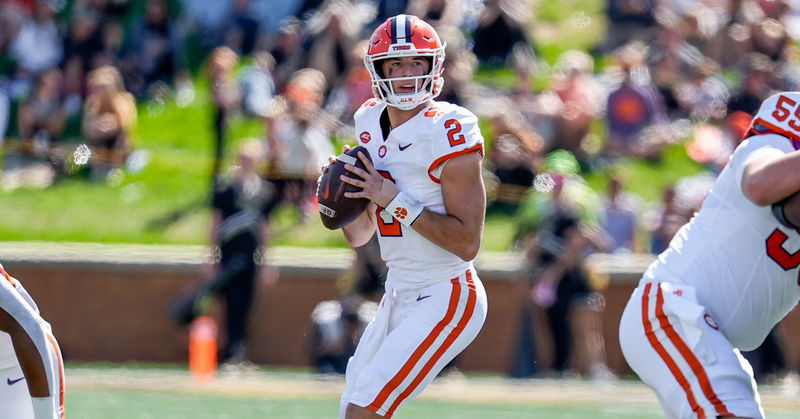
x: 398, y: 117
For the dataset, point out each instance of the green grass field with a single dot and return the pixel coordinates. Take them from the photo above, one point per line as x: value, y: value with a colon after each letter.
x: 110, y: 392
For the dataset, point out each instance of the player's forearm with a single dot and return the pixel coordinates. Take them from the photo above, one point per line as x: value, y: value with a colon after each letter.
x: 459, y: 237
x: 767, y: 181
x: 361, y: 229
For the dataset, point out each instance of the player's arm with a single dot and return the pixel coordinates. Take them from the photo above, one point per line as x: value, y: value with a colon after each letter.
x: 459, y: 230
x: 771, y: 177
x: 33, y: 353
x: 362, y: 228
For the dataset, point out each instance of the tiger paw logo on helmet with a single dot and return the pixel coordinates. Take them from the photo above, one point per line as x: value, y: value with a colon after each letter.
x: 405, y: 36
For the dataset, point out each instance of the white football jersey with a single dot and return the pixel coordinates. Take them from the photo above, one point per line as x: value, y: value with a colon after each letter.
x: 742, y: 262
x: 413, y: 156
x: 12, y: 290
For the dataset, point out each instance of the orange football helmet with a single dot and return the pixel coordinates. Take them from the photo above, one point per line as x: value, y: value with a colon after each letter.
x: 405, y: 36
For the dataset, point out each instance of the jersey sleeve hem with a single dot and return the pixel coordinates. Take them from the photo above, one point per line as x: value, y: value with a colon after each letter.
x: 438, y: 162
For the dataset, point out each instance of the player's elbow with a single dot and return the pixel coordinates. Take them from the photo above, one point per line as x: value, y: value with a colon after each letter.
x: 468, y: 251
x: 757, y: 190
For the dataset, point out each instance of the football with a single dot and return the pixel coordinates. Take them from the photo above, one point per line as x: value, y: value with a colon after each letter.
x: 789, y: 209
x: 335, y: 210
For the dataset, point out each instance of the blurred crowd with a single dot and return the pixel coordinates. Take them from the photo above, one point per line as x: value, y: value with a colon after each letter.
x: 667, y: 73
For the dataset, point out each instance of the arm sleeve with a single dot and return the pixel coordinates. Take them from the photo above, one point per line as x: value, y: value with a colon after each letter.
x: 456, y: 133
x: 40, y: 334
x: 758, y: 147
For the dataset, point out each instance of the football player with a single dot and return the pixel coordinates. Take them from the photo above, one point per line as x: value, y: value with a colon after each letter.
x: 428, y: 206
x: 727, y: 277
x: 31, y: 368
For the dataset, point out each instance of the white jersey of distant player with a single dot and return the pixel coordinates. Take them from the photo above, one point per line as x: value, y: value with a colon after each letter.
x: 742, y: 262
x: 8, y: 357
x: 413, y: 157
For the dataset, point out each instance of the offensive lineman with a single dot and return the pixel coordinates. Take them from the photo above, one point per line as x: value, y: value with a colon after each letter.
x: 727, y: 278
x: 428, y: 206
x: 31, y: 368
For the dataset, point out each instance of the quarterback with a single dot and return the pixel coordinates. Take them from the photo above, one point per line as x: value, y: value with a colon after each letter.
x: 428, y: 206
x: 31, y: 368
x: 727, y: 278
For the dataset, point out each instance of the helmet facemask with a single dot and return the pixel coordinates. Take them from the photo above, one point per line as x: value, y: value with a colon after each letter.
x: 427, y: 86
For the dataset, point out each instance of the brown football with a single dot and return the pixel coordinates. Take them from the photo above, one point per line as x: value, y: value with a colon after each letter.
x: 335, y: 210
x: 791, y: 209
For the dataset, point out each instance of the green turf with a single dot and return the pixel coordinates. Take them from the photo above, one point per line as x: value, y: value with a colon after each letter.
x: 110, y: 404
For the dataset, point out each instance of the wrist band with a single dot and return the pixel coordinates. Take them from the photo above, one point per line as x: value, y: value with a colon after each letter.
x: 777, y: 211
x: 404, y: 209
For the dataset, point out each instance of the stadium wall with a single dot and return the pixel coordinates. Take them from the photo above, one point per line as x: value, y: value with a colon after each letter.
x: 111, y: 303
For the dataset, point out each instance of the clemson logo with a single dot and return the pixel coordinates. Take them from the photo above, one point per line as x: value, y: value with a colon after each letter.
x: 365, y: 137
x: 382, y: 151
x: 400, y: 213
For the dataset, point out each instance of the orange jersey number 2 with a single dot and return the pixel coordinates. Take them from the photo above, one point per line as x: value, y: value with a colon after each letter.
x: 387, y: 227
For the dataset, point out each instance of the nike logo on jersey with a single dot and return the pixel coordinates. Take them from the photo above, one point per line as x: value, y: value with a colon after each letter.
x: 12, y: 382
x: 421, y: 297
x: 403, y: 147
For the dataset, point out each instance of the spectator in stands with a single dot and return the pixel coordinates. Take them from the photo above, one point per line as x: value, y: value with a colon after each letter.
x: 702, y: 94
x: 769, y: 37
x: 667, y: 220
x: 240, y: 31
x: 37, y: 46
x: 225, y: 95
x: 154, y: 53
x: 620, y: 217
x: 581, y: 98
x: 5, y: 109
x: 299, y: 139
x: 461, y: 65
x: 41, y: 117
x: 439, y: 13
x: 755, y: 87
x: 354, y: 88
x: 109, y: 116
x: 514, y: 158
x: 629, y: 20
x: 332, y: 34
x: 13, y: 13
x: 40, y: 121
x: 84, y: 38
x: 288, y: 52
x: 501, y: 37
x: 257, y: 85
x: 634, y: 111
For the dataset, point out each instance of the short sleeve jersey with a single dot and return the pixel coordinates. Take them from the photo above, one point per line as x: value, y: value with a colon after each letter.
x: 741, y: 261
x: 412, y: 156
x: 12, y: 299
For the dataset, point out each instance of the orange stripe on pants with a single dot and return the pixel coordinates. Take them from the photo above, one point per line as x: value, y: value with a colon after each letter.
x: 689, y: 357
x: 465, y: 318
x: 662, y: 352
x: 421, y: 349
x: 62, y: 413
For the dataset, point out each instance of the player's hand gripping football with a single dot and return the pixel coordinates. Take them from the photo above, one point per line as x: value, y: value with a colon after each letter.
x: 373, y: 185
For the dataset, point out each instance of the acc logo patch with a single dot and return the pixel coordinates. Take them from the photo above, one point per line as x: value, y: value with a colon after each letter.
x: 365, y: 137
x: 382, y: 151
x: 710, y: 321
